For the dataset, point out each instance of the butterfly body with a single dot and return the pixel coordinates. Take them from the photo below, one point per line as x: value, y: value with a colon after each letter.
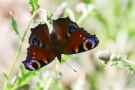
x: 65, y: 38
x: 56, y: 46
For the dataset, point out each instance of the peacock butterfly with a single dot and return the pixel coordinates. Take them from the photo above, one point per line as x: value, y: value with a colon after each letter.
x: 66, y: 38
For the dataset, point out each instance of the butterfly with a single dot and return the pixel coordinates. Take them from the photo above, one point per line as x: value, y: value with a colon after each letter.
x: 66, y: 38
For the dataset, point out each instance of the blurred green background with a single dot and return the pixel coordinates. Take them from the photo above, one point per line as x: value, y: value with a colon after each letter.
x: 113, y: 22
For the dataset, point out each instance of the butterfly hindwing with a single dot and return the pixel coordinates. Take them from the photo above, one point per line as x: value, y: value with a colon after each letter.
x: 80, y: 41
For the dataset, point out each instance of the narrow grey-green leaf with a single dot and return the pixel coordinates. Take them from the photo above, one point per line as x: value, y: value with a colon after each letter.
x: 5, y: 75
x: 14, y: 25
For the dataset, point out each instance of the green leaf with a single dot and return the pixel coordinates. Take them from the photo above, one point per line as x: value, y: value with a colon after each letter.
x: 50, y: 16
x: 14, y: 25
x: 87, y: 1
x: 22, y: 79
x: 21, y: 73
x: 9, y: 86
x: 34, y: 4
x: 38, y: 87
x: 5, y: 75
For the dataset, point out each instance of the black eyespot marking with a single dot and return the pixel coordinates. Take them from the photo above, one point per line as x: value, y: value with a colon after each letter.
x: 35, y: 64
x: 32, y: 65
x: 71, y: 29
x: 36, y: 41
x: 90, y: 43
x: 81, y: 48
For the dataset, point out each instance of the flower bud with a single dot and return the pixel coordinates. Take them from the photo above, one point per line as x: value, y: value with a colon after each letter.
x: 104, y: 55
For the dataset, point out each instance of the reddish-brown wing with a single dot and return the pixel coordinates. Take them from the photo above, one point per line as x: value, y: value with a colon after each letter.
x: 39, y: 52
x: 61, y: 26
x: 80, y: 41
x: 73, y: 39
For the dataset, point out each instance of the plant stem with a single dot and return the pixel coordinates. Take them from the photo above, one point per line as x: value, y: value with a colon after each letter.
x: 50, y: 80
x: 70, y: 14
x: 19, y: 49
x: 83, y: 16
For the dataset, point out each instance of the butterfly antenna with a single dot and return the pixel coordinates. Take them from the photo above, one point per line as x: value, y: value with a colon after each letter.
x: 69, y: 65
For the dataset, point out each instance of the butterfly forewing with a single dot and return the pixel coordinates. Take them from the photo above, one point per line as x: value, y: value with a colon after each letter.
x: 61, y: 27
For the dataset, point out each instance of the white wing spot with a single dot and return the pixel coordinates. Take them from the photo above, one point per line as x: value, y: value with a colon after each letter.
x: 33, y: 57
x: 84, y: 38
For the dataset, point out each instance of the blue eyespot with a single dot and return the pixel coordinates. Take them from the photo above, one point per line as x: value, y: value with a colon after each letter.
x: 71, y: 29
x: 90, y: 43
x: 36, y: 41
x: 32, y: 65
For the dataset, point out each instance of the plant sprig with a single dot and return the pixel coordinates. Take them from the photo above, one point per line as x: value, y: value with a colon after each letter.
x: 117, y: 60
x: 34, y: 5
x: 14, y: 25
x: 20, y: 46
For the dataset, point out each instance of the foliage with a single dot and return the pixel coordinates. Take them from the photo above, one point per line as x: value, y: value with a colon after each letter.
x: 34, y: 5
